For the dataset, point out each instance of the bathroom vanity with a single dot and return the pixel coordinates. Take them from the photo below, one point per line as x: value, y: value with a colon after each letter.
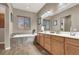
x: 58, y: 44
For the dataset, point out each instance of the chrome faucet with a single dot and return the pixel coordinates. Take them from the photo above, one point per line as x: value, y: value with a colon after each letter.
x: 73, y: 33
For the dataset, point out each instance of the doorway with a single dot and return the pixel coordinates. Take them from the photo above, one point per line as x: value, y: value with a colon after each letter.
x: 67, y: 22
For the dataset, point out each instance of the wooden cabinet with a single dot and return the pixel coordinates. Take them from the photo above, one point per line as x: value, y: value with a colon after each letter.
x: 2, y: 46
x: 41, y: 38
x: 71, y: 46
x: 57, y: 45
x: 47, y: 42
x: 1, y: 20
x: 38, y: 39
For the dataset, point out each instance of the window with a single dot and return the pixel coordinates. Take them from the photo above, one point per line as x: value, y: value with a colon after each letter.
x: 23, y: 23
x: 46, y: 24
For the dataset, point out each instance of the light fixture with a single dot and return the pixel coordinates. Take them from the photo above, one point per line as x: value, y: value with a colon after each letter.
x: 48, y: 13
x: 27, y: 7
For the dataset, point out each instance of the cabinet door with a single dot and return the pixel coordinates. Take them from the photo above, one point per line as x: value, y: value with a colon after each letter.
x: 38, y: 39
x: 47, y: 43
x: 57, y: 46
x: 1, y: 20
x: 71, y: 49
x: 41, y: 40
x: 2, y: 46
x: 71, y: 46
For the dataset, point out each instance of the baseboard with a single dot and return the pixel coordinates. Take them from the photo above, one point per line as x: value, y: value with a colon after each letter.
x: 7, y: 48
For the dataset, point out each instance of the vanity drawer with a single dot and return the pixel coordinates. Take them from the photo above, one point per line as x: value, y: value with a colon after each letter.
x: 58, y: 38
x: 72, y: 41
x: 46, y: 36
x: 71, y: 46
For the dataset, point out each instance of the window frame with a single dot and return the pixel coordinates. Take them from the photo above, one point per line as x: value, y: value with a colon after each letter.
x: 29, y: 27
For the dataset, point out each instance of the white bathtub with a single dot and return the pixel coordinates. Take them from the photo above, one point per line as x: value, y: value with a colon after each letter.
x: 27, y: 37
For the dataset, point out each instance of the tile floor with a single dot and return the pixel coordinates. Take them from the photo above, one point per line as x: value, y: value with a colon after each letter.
x: 20, y: 46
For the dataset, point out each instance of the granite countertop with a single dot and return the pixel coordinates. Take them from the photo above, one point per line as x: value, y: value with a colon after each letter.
x: 62, y: 34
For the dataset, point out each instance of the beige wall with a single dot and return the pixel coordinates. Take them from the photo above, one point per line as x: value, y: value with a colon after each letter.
x: 7, y: 36
x: 4, y: 33
x: 8, y: 26
x: 10, y: 22
x: 32, y: 16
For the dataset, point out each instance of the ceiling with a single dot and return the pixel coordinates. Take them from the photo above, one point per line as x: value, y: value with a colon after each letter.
x: 31, y: 7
